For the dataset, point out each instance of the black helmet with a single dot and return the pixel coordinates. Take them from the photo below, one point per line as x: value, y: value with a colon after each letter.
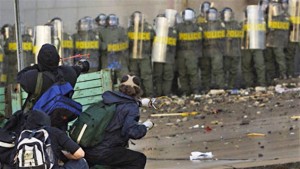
x: 100, y: 19
x: 112, y: 20
x: 212, y: 14
x: 204, y: 7
x: 227, y: 14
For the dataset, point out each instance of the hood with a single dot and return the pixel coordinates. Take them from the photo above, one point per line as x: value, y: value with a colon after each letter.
x: 37, y: 120
x: 48, y: 58
x: 114, y: 97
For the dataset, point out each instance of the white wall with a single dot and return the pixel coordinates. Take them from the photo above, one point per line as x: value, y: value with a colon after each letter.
x: 35, y: 12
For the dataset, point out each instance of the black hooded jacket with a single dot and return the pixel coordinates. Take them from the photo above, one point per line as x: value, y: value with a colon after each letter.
x: 48, y: 60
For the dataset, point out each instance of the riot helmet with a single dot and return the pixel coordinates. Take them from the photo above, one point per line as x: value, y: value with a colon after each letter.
x: 264, y: 4
x: 275, y: 8
x: 212, y: 14
x: 86, y: 23
x: 112, y: 20
x: 205, y: 7
x: 188, y: 14
x: 285, y: 4
x: 101, y: 19
x: 7, y: 31
x: 227, y: 14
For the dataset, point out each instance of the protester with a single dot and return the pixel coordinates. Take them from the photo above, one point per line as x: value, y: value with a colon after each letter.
x: 113, y: 151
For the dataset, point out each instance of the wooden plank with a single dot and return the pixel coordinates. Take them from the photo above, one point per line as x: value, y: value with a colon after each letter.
x: 106, y: 80
x: 2, y: 90
x: 88, y: 84
x: 89, y: 76
x: 2, y: 106
x: 88, y: 92
x: 2, y: 98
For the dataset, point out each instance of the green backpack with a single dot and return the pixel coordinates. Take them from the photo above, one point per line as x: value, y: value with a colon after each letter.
x: 88, y: 130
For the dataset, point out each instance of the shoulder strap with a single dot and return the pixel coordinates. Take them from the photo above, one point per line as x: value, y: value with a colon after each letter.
x: 38, y: 88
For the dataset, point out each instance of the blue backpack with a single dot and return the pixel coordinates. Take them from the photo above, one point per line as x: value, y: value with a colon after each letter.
x: 57, y: 100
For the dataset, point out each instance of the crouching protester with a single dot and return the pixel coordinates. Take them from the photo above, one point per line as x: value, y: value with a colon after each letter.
x: 112, y: 151
x: 37, y: 79
x: 63, y: 152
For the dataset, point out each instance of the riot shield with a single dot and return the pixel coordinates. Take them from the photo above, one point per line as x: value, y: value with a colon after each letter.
x: 294, y: 11
x: 57, y: 35
x: 42, y: 35
x: 171, y: 16
x: 137, y: 36
x: 254, y: 29
x: 159, y: 48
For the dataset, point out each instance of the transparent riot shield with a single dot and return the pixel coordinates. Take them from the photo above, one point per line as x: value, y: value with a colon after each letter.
x: 294, y: 11
x: 159, y: 48
x: 57, y: 35
x: 254, y: 29
x: 42, y: 35
x: 137, y: 36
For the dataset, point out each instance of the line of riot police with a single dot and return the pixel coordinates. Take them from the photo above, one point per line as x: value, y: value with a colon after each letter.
x: 180, y: 53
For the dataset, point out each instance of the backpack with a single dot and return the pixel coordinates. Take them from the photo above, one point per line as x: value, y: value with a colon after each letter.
x: 34, y: 150
x: 57, y: 99
x: 88, y: 130
x: 7, y: 144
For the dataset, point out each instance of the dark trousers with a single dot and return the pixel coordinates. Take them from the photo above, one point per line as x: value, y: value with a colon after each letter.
x: 117, y: 158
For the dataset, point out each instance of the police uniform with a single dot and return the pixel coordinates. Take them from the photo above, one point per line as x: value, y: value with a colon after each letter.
x: 114, y: 50
x: 213, y: 47
x: 11, y: 60
x: 87, y: 42
x: 189, y: 46
x: 232, y: 52
x: 142, y: 66
x: 277, y: 40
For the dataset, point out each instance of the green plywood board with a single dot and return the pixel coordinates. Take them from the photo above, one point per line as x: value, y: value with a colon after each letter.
x: 2, y: 98
x: 2, y: 106
x: 88, y: 84
x: 2, y: 90
x: 88, y: 92
x: 89, y: 76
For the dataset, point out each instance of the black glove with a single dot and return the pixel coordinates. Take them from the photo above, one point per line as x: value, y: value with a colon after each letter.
x: 84, y: 65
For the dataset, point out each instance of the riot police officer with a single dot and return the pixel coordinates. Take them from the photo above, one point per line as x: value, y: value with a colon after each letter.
x: 211, y: 64
x: 204, y: 7
x: 101, y: 22
x: 189, y: 46
x: 253, y: 44
x: 277, y: 39
x: 114, y: 48
x: 86, y: 41
x: 10, y: 49
x: 3, y: 76
x: 141, y: 34
x: 232, y: 50
x: 163, y: 52
x: 294, y: 34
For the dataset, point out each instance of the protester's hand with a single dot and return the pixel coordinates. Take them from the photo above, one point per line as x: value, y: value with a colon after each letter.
x: 146, y: 102
x: 84, y: 65
x: 149, y: 124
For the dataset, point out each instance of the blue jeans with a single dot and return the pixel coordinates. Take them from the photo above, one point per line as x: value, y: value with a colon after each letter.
x: 75, y: 164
